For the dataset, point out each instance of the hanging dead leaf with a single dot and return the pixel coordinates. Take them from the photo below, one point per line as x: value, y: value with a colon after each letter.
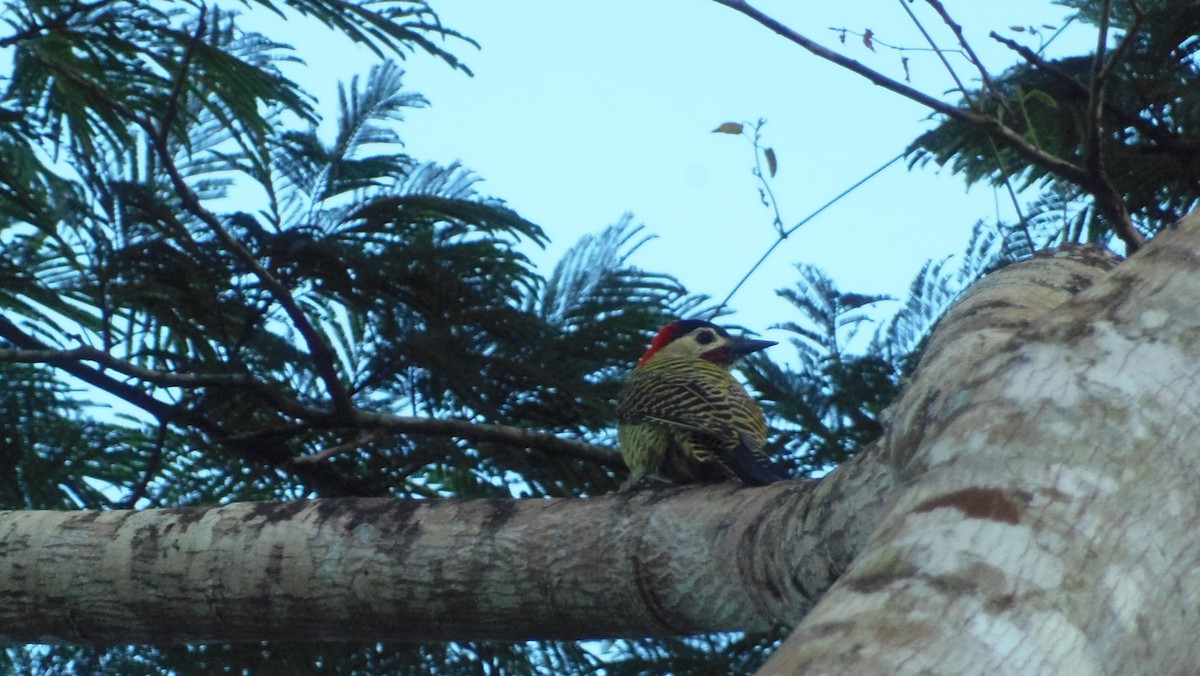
x: 734, y: 128
x: 772, y: 165
x: 868, y: 39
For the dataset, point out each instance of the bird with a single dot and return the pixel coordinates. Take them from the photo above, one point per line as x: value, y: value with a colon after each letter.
x: 682, y: 417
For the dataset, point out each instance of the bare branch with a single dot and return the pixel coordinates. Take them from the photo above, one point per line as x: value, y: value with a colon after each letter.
x: 168, y: 117
x: 941, y: 54
x: 1093, y: 157
x: 966, y: 93
x: 1126, y: 43
x: 479, y: 432
x: 161, y: 410
x: 985, y: 123
x: 163, y: 378
x: 1144, y: 126
x: 1108, y: 200
x: 313, y: 418
x: 176, y: 414
x: 330, y: 452
x: 956, y: 28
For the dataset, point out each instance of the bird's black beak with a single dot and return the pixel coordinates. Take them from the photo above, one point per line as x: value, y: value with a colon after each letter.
x: 740, y: 347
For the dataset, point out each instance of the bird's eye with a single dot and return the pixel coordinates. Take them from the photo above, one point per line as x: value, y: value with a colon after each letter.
x: 705, y: 337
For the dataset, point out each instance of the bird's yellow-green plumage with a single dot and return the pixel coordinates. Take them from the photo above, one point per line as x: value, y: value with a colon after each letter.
x: 684, y: 418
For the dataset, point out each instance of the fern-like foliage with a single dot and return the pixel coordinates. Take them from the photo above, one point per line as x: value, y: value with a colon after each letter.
x: 827, y: 406
x: 1149, y: 143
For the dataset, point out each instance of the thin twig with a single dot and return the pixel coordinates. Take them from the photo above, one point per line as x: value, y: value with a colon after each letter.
x: 876, y: 42
x: 481, y: 432
x: 784, y: 235
x: 962, y: 88
x: 152, y: 467
x: 327, y: 453
x: 1126, y: 43
x: 168, y: 117
x: 1144, y: 126
x: 995, y: 94
x: 956, y: 28
x: 1108, y: 200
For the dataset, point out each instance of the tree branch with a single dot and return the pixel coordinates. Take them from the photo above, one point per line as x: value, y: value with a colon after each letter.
x: 984, y: 123
x: 481, y: 432
x: 1127, y: 41
x: 1092, y: 153
x: 395, y: 570
x: 29, y: 345
x: 319, y: 476
x: 956, y: 28
x: 1160, y: 136
x: 168, y: 116
x: 322, y: 355
x: 282, y: 403
x: 313, y: 418
x: 333, y: 451
x: 1108, y: 200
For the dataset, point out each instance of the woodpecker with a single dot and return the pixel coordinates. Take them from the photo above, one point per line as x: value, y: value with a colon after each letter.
x: 683, y: 417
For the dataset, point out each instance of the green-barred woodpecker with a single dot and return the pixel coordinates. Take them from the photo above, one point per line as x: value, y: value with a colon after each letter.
x: 683, y: 417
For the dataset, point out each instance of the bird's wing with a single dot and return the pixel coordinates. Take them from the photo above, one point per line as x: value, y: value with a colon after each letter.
x: 747, y: 462
x: 691, y: 399
x: 721, y: 422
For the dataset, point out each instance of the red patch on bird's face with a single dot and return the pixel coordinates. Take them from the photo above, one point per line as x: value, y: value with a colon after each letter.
x: 719, y: 356
x: 663, y: 338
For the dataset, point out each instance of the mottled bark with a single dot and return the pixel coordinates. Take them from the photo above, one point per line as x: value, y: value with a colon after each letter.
x: 645, y: 563
x: 1047, y: 513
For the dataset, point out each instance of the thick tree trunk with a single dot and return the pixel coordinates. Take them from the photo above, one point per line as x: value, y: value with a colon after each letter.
x: 1047, y: 516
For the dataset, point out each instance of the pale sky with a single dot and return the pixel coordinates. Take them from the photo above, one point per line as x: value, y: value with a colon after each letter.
x: 582, y: 111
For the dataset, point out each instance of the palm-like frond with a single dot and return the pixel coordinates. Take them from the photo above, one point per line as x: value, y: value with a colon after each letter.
x: 397, y: 27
